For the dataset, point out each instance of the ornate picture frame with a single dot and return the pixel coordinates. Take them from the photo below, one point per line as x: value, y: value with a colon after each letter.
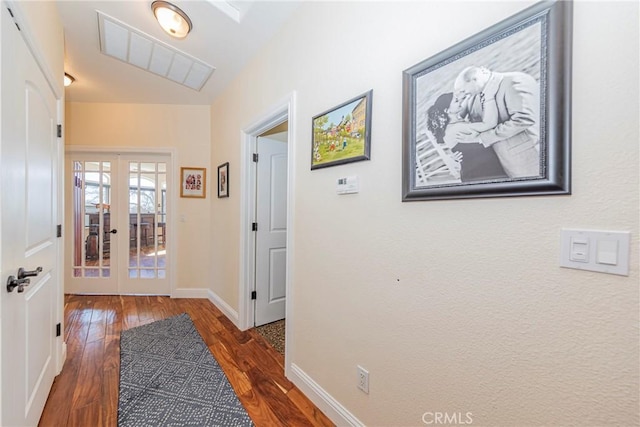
x: 491, y: 115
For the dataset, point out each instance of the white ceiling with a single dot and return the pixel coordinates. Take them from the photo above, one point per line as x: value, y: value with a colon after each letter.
x: 217, y: 39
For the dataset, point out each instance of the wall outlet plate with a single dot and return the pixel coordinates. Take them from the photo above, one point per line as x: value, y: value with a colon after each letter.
x: 363, y: 379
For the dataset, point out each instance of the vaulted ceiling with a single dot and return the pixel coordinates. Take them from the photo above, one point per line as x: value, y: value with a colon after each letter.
x: 225, y: 36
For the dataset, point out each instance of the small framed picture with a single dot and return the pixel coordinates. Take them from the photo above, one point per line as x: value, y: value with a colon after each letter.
x: 193, y: 182
x: 223, y: 180
x: 342, y: 134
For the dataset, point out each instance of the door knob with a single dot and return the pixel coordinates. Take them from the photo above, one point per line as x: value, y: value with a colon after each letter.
x: 13, y: 283
x: 114, y: 231
x: 22, y: 273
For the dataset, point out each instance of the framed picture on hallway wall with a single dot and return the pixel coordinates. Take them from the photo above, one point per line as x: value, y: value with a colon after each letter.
x: 193, y: 182
x: 342, y: 134
x: 223, y: 180
x: 491, y: 115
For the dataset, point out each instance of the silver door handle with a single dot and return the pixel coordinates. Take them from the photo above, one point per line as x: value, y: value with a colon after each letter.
x: 13, y: 283
x: 22, y: 273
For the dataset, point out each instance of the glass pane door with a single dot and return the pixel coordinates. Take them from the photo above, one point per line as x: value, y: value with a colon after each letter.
x: 90, y: 206
x: 117, y: 212
x: 147, y: 227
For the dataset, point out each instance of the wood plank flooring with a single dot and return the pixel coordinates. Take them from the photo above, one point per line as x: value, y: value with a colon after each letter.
x: 86, y: 391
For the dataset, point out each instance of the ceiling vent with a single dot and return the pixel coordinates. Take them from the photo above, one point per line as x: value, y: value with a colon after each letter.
x: 232, y: 8
x: 132, y: 46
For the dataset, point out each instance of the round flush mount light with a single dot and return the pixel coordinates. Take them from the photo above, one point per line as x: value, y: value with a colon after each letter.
x: 172, y: 19
x: 68, y: 79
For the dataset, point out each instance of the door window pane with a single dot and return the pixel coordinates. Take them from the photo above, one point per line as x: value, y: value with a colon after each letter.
x: 91, y: 218
x: 147, y: 219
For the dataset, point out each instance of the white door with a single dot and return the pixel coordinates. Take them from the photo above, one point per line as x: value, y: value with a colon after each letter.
x: 271, y: 236
x: 117, y: 217
x: 144, y: 244
x: 92, y: 226
x: 28, y: 232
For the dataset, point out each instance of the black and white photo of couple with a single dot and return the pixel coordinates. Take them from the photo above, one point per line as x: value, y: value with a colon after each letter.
x: 478, y: 116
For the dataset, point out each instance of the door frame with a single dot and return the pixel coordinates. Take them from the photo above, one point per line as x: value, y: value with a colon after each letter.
x: 279, y: 113
x: 172, y: 185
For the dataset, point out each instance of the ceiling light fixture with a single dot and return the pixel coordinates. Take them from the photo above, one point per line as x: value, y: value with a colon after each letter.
x: 68, y: 79
x: 172, y: 19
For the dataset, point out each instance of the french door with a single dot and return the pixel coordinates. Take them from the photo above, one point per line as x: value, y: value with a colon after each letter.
x: 117, y: 208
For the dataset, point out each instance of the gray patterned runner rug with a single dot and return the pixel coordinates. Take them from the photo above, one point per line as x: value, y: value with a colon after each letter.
x: 168, y: 377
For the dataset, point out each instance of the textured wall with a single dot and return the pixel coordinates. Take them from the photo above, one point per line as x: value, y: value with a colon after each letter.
x: 182, y: 127
x: 456, y: 306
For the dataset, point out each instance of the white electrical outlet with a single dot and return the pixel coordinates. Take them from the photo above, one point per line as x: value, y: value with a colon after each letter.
x: 363, y: 379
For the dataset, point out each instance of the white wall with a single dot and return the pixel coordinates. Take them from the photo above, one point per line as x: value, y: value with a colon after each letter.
x: 456, y: 306
x: 185, y: 128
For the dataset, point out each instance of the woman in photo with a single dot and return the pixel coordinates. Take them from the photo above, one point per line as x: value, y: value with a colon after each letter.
x: 449, y: 115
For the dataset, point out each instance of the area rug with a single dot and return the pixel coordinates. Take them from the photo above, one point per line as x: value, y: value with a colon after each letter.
x: 274, y: 333
x: 168, y: 377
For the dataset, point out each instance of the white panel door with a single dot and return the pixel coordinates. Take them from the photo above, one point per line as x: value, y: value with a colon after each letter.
x: 27, y: 239
x: 271, y: 236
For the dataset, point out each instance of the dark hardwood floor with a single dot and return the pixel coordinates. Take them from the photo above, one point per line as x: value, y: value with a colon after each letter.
x: 86, y: 391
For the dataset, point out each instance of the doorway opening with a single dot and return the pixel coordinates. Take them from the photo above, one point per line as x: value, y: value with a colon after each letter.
x: 267, y: 220
x: 269, y: 287
x: 271, y: 235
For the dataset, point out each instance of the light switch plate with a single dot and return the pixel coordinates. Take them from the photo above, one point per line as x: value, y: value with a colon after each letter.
x: 595, y: 250
x: 347, y: 185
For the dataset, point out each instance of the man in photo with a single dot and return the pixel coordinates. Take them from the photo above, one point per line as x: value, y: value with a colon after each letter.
x: 515, y: 138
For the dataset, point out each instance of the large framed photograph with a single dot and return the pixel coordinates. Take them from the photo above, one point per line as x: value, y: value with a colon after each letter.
x: 193, y: 182
x: 223, y: 180
x: 491, y: 115
x: 342, y: 134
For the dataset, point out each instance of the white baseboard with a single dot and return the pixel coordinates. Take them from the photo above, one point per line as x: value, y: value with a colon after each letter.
x: 211, y: 296
x: 190, y: 293
x: 323, y: 400
x: 224, y: 307
x: 62, y: 359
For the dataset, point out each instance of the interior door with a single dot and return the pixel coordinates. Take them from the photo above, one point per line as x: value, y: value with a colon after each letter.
x: 28, y: 240
x: 92, y: 206
x: 144, y: 251
x: 271, y: 236
x: 117, y: 213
